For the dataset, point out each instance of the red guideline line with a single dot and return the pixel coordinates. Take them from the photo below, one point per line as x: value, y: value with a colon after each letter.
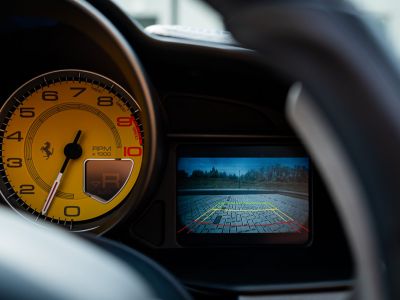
x: 303, y: 227
x: 183, y: 228
x: 291, y: 225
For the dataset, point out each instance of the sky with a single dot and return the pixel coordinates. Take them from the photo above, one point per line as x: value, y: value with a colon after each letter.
x: 232, y: 165
x: 387, y: 16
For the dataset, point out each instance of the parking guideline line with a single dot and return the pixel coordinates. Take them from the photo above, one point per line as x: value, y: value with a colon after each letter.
x: 296, y: 222
x: 275, y: 209
x: 195, y: 222
x: 280, y: 216
x: 289, y: 220
x: 289, y: 217
x: 231, y: 209
x: 217, y: 207
x: 208, y: 216
x: 220, y: 204
x: 203, y: 214
x: 214, y: 207
x: 245, y: 203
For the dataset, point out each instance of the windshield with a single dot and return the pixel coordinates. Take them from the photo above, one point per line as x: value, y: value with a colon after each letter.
x: 385, y: 15
x: 193, y: 13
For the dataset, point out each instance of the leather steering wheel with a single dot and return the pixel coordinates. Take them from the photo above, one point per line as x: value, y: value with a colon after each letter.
x: 346, y: 111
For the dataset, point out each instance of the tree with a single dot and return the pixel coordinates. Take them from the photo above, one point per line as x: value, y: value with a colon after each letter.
x: 197, y: 174
x: 182, y: 174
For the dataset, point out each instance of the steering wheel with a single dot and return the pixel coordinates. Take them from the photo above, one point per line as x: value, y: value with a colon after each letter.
x: 346, y: 111
x: 37, y: 263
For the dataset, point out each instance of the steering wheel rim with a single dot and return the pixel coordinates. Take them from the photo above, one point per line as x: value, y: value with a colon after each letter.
x: 50, y: 263
x: 350, y: 97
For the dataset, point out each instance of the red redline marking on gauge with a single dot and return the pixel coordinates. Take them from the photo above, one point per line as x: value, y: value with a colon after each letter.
x: 136, y: 126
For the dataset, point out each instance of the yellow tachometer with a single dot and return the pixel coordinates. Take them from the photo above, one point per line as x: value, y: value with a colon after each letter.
x: 72, y: 146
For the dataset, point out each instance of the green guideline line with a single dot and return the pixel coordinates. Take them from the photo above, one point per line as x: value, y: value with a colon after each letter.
x: 218, y: 207
x: 229, y: 209
x: 215, y: 208
x: 244, y: 203
x: 280, y: 214
x: 208, y: 213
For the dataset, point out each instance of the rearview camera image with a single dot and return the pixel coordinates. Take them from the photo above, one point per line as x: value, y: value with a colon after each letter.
x: 267, y: 197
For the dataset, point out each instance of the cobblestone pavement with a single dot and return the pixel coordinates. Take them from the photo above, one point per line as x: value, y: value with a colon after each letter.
x: 262, y: 213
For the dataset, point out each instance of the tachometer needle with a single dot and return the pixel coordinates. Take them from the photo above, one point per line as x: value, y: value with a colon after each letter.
x: 72, y: 151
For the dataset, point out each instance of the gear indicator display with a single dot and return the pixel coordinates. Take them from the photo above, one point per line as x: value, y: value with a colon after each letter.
x: 105, y: 178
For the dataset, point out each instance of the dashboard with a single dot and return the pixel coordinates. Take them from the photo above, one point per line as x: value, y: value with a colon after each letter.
x: 229, y: 201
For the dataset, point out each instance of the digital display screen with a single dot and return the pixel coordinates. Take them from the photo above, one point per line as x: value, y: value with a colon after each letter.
x: 243, y: 195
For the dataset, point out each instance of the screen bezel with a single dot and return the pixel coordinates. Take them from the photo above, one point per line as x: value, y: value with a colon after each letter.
x: 244, y: 239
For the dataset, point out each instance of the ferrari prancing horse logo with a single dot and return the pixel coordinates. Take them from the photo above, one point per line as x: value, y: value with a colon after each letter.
x: 47, y: 150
